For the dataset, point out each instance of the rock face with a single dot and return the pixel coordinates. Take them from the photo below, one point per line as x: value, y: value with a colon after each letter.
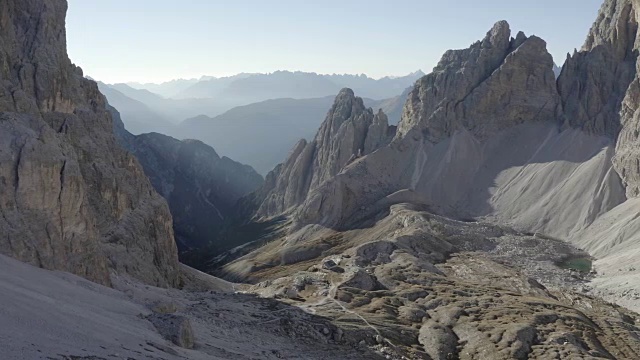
x: 71, y: 199
x: 594, y: 81
x: 201, y: 187
x: 496, y: 83
x: 350, y: 131
x: 614, y: 38
x: 489, y: 133
x: 459, y: 114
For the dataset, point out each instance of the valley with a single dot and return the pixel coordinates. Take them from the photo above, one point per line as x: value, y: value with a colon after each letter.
x: 486, y: 210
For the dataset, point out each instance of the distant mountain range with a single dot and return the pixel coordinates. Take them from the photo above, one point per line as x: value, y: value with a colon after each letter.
x: 200, y: 187
x: 166, y: 89
x: 144, y: 111
x: 259, y: 133
x: 248, y: 88
x: 262, y: 134
x: 140, y: 117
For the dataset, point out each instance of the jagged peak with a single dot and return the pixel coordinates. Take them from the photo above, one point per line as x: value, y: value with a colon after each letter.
x: 346, y: 92
x: 348, y: 96
x: 500, y: 31
x: 616, y: 25
x: 518, y: 40
x: 346, y: 106
x: 380, y: 117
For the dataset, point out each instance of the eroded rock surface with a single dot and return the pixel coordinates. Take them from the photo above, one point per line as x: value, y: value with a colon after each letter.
x: 483, y: 110
x: 349, y: 132
x: 496, y: 83
x: 71, y: 199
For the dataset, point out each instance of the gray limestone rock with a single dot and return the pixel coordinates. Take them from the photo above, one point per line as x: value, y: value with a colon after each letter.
x: 70, y: 198
x: 349, y: 132
x: 439, y: 341
x: 496, y: 84
x: 595, y: 80
x: 174, y: 328
x: 614, y: 39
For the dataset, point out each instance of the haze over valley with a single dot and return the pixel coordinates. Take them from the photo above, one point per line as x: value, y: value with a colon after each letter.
x: 485, y: 209
x: 270, y: 112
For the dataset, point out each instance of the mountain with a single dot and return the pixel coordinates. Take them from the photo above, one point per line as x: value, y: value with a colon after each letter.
x: 259, y: 134
x: 393, y: 107
x: 350, y: 131
x: 250, y: 88
x: 489, y: 134
x: 166, y: 89
x: 71, y: 198
x: 140, y: 118
x: 200, y: 187
x: 556, y: 70
x: 142, y: 95
x: 489, y: 138
x: 442, y: 107
x: 143, y: 112
x: 435, y: 239
x: 386, y: 87
x: 209, y: 87
x: 127, y: 100
x: 268, y: 129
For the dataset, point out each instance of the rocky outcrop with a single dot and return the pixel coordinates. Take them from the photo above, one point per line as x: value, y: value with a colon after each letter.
x: 601, y: 88
x: 594, y: 81
x: 614, y: 37
x: 496, y: 83
x: 380, y: 133
x: 349, y: 132
x: 485, y: 134
x: 201, y: 187
x: 174, y: 328
x: 71, y: 199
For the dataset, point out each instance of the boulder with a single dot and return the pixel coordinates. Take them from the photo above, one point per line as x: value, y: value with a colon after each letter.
x: 174, y: 328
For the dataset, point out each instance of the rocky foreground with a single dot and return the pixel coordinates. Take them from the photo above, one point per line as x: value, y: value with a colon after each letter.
x: 411, y: 286
x: 426, y: 287
x: 54, y: 315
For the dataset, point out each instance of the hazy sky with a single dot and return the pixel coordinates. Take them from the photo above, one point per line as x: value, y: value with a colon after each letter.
x: 159, y: 40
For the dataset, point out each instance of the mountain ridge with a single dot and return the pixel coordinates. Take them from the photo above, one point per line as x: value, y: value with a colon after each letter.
x: 491, y: 135
x: 299, y: 83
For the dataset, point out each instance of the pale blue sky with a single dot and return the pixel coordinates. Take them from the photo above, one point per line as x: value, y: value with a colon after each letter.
x: 159, y: 40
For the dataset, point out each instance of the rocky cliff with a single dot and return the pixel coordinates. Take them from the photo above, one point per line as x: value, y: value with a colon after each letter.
x: 201, y: 187
x: 349, y: 132
x: 494, y: 84
x: 71, y: 199
x: 615, y: 33
x: 482, y: 110
x: 600, y: 87
x: 595, y: 80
